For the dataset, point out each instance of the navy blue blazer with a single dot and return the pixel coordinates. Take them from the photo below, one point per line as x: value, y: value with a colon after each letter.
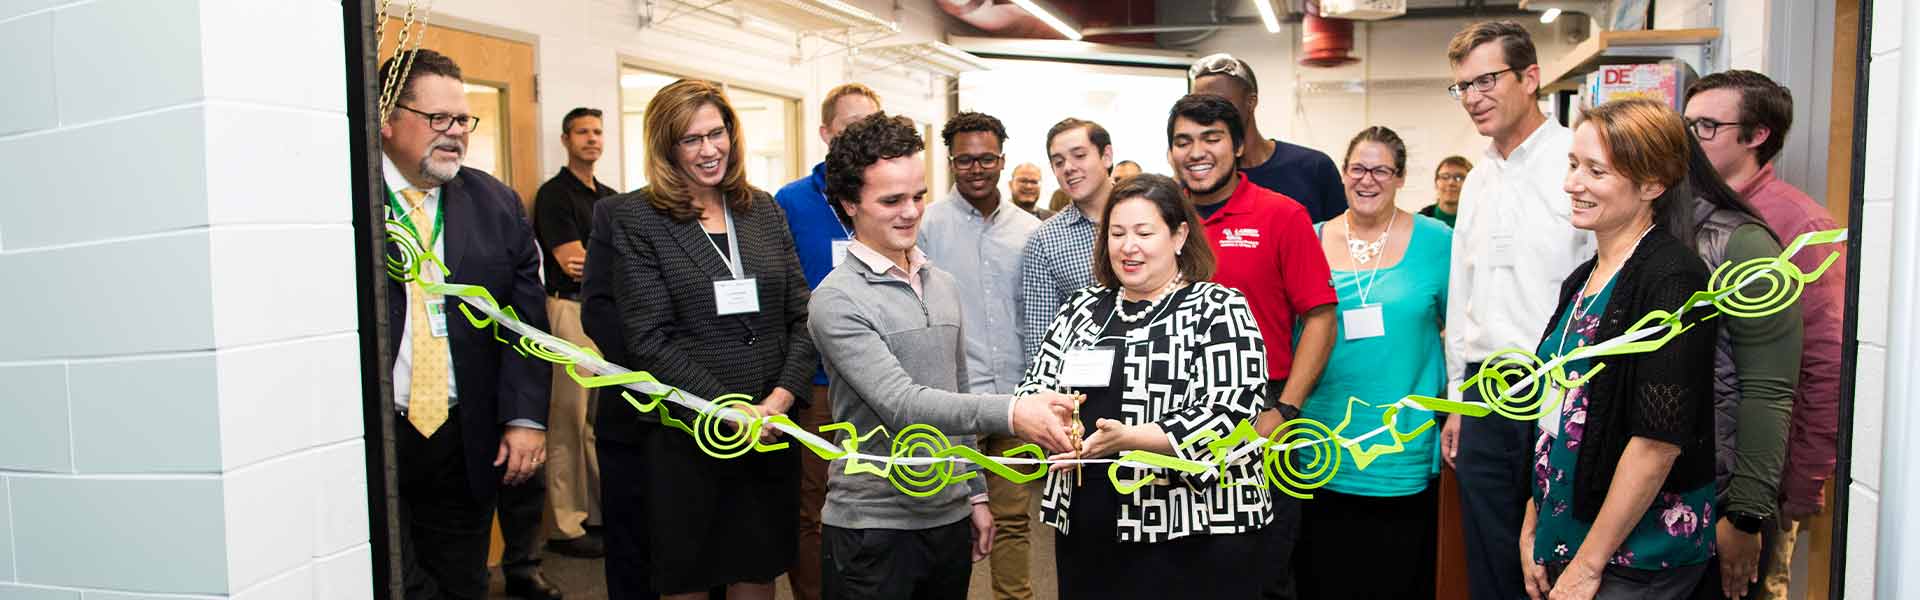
x: 489, y: 243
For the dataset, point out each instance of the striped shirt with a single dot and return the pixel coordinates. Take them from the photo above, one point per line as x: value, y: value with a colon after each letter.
x: 1057, y: 262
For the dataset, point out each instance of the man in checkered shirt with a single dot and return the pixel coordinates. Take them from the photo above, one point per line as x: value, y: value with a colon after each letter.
x: 1058, y: 258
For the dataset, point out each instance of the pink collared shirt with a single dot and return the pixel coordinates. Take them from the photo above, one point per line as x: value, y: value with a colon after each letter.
x: 916, y: 260
x: 1813, y: 440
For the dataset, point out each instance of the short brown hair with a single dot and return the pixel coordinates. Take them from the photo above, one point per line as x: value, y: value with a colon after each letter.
x: 668, y: 116
x: 832, y: 101
x: 1516, y: 45
x: 425, y: 62
x: 1385, y: 137
x: 1763, y: 103
x: 1195, y: 261
x: 1456, y: 161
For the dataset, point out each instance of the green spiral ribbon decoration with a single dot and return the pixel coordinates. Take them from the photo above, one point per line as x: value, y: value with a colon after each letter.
x: 1301, y: 456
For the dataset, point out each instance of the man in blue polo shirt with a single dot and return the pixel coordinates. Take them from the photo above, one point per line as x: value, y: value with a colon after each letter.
x: 821, y: 241
x: 1306, y: 175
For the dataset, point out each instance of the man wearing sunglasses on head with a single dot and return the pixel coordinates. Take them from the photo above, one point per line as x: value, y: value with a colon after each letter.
x: 1513, y: 243
x: 1306, y: 175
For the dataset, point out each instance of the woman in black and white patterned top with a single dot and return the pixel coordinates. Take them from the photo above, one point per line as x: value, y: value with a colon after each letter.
x: 1164, y: 357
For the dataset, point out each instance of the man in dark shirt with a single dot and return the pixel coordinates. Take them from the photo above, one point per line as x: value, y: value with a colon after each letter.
x: 563, y: 219
x: 1306, y: 175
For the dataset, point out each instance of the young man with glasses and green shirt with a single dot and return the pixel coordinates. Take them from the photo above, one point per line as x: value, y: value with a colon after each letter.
x: 977, y: 238
x: 1513, y: 243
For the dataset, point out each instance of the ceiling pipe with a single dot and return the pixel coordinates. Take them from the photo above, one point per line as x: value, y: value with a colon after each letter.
x: 1448, y: 12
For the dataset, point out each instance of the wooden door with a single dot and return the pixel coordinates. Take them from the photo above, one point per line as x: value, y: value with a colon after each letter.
x: 500, y: 89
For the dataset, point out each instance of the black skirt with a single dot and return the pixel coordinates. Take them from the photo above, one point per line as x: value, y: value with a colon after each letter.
x: 714, y: 522
x: 1367, y: 547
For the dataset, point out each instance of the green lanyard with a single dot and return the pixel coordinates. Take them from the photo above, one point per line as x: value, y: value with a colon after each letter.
x: 439, y: 221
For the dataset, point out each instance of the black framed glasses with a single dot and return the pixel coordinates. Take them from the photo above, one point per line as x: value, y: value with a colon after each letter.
x: 692, y: 142
x: 1707, y: 129
x: 1358, y: 172
x: 969, y: 161
x: 441, y: 122
x: 1483, y: 83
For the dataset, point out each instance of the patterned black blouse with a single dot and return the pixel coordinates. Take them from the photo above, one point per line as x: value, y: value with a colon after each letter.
x: 1198, y: 367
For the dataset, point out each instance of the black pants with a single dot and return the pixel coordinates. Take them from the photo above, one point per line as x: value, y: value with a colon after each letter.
x: 1495, y: 452
x: 521, y: 507
x: 895, y: 564
x: 443, y: 528
x: 1394, y: 533
x: 623, y: 513
x: 1627, y: 583
x: 1282, y: 533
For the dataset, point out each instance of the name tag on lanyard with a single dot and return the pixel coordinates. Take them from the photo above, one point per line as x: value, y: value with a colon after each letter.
x: 1364, y: 322
x: 1088, y: 368
x: 736, y: 296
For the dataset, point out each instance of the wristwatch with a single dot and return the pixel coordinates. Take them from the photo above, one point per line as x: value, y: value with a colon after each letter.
x: 1287, y: 411
x: 1745, y: 522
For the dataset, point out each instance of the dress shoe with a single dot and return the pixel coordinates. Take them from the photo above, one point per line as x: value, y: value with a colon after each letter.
x: 585, y: 546
x: 532, y: 586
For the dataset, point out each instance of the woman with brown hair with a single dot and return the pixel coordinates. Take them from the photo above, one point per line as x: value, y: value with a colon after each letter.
x: 1164, y: 357
x: 1623, y: 489
x: 712, y: 301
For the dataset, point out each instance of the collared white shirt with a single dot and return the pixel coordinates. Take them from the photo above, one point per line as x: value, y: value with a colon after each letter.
x: 403, y: 359
x: 880, y: 264
x: 1513, y: 245
x: 982, y: 252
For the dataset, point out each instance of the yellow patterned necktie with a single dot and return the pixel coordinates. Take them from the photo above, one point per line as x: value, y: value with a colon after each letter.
x: 427, y: 405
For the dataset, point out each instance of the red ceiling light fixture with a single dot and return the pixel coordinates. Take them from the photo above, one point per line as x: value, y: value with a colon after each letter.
x: 1325, y: 43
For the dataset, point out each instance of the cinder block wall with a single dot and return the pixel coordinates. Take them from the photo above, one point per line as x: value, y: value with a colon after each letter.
x: 178, y: 388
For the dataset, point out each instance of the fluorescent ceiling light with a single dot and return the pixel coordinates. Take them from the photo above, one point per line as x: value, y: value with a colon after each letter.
x: 1550, y: 15
x: 1047, y: 17
x: 1267, y: 17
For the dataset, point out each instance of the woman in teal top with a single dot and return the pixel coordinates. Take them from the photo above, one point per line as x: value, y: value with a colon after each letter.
x: 1390, y: 270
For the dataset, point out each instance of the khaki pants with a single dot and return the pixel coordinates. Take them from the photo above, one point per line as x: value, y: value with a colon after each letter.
x: 1012, y: 506
x: 573, y: 465
x: 805, y: 574
x: 1776, y: 567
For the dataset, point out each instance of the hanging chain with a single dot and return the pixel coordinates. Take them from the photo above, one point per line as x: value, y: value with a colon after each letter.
x: 397, y: 70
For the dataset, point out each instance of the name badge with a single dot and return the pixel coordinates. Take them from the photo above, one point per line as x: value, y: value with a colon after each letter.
x: 840, y: 251
x: 1088, y: 368
x: 736, y: 296
x: 437, y: 318
x: 1364, y: 322
x: 1500, y: 249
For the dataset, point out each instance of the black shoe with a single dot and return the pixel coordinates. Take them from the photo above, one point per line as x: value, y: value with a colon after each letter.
x: 532, y: 586
x: 586, y: 546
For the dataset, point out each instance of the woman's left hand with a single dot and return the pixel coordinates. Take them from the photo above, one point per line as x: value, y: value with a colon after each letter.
x: 776, y: 403
x: 1578, y: 582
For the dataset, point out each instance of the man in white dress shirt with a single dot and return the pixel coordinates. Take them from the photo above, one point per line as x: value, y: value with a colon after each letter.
x: 1512, y: 246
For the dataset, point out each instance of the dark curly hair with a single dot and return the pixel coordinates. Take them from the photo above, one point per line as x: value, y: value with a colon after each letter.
x: 973, y: 121
x: 1207, y: 109
x: 870, y: 140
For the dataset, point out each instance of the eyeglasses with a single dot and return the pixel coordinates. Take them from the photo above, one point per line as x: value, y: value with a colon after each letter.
x: 441, y: 122
x: 1483, y: 83
x: 1359, y: 172
x: 1707, y: 129
x: 1453, y: 177
x: 968, y: 161
x: 691, y: 143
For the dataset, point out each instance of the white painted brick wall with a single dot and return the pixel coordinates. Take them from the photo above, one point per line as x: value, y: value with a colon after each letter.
x: 184, y: 397
x: 1876, y: 263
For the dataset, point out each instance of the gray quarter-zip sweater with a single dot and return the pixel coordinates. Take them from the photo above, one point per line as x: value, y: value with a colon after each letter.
x: 893, y: 360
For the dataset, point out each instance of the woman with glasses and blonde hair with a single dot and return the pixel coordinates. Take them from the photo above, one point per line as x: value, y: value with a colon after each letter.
x: 1623, y: 478
x: 1390, y: 271
x: 711, y: 300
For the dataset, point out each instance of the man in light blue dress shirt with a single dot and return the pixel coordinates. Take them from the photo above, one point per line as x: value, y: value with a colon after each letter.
x: 978, y: 238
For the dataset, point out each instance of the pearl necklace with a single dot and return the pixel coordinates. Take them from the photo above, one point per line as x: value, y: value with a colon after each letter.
x: 1362, y: 251
x: 1120, y: 301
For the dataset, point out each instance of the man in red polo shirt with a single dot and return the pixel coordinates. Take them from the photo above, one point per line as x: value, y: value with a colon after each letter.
x: 1265, y: 246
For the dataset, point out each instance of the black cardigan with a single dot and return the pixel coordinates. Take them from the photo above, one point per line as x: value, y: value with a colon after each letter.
x: 1664, y: 395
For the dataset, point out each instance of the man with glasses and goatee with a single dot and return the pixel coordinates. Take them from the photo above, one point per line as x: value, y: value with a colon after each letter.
x: 1512, y: 246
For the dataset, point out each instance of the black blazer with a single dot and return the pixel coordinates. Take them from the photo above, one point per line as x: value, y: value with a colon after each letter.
x: 1664, y: 395
x: 648, y: 303
x: 490, y: 244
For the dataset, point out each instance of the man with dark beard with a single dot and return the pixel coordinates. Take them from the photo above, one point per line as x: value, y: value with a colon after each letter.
x: 471, y: 410
x: 978, y: 239
x: 1267, y: 249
